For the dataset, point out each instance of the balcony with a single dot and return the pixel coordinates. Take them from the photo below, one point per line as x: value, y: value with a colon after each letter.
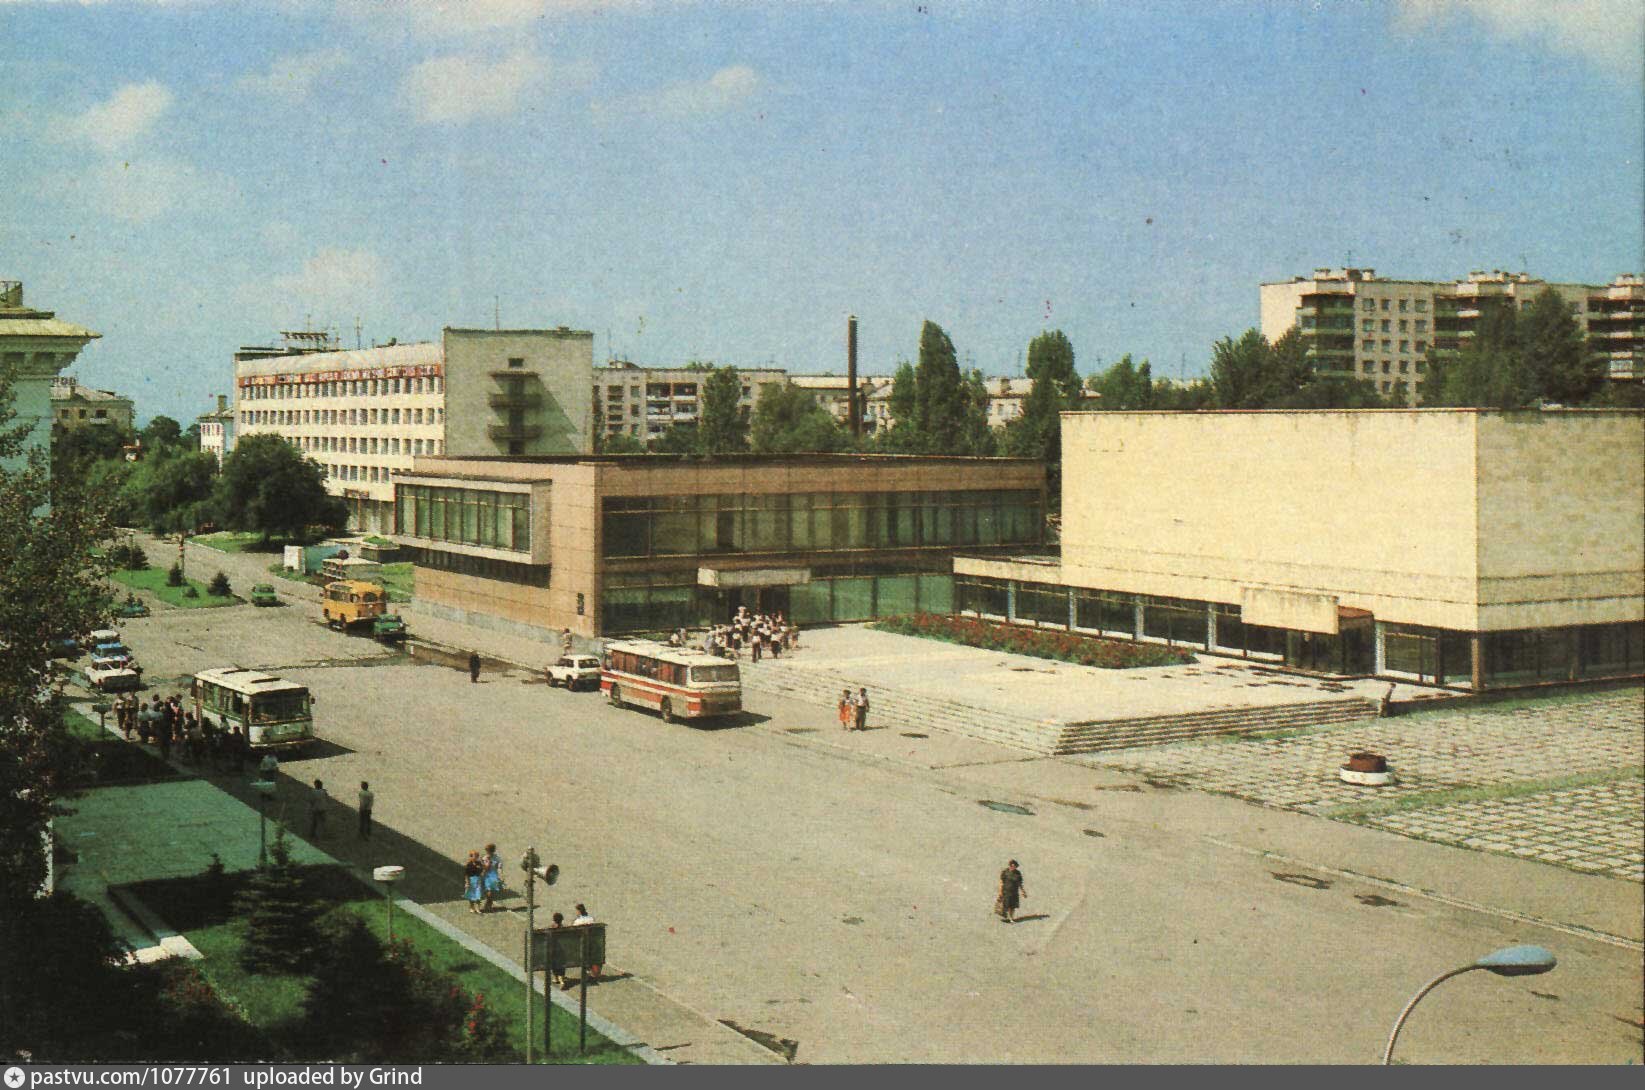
x: 514, y: 433
x: 516, y: 399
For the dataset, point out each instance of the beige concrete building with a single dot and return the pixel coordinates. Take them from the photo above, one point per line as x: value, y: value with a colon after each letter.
x: 1514, y: 557
x: 77, y: 406
x: 38, y: 345
x: 1388, y: 331
x: 217, y: 429
x: 367, y: 413
x: 644, y: 402
x: 648, y: 543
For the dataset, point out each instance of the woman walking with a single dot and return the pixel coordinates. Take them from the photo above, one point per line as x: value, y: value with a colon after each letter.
x: 473, y: 872
x: 1012, y: 893
x: 848, y: 710
x: 493, y: 880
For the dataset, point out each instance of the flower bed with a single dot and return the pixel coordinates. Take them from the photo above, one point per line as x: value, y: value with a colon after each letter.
x: 1038, y: 642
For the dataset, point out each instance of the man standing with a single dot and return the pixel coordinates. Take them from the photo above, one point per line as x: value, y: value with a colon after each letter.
x: 473, y: 667
x: 317, y: 802
x: 862, y: 708
x: 565, y: 641
x: 1012, y: 892
x: 366, y: 800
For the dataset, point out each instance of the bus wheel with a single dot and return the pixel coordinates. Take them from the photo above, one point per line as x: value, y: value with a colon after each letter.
x: 668, y: 711
x: 616, y: 697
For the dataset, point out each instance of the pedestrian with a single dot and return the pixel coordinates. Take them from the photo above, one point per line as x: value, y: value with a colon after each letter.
x: 238, y: 749
x: 366, y: 801
x: 1385, y: 706
x: 754, y: 644
x: 473, y: 667
x: 1012, y: 892
x: 848, y: 709
x: 269, y: 768
x: 556, y: 961
x: 583, y: 917
x: 565, y: 641
x: 493, y: 876
x: 860, y: 709
x: 317, y: 803
x: 473, y: 871
x: 162, y: 729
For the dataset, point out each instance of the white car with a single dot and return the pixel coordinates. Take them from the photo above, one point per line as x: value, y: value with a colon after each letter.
x: 575, y: 671
x: 103, y: 635
x: 113, y: 679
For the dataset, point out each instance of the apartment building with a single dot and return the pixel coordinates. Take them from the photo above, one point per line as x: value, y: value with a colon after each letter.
x: 365, y: 414
x: 1388, y: 331
x: 36, y: 345
x: 217, y: 429
x: 77, y: 406
x: 644, y: 402
x: 831, y: 391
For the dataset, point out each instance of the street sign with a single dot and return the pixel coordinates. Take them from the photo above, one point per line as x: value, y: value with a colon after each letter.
x: 562, y: 946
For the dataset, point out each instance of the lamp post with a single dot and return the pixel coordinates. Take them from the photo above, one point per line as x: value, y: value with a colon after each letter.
x: 1509, y: 961
x: 388, y: 876
x: 264, y: 789
x: 532, y: 864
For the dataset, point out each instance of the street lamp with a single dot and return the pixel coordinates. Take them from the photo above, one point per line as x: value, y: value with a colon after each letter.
x: 1509, y: 961
x: 264, y: 789
x: 532, y: 864
x: 388, y: 876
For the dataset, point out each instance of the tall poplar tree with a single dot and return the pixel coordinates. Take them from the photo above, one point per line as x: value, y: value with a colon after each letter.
x: 724, y: 427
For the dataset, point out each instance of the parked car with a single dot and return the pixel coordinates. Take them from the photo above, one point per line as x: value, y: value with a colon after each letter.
x: 263, y: 595
x: 112, y: 654
x: 390, y: 628
x: 103, y: 635
x: 113, y: 679
x: 575, y: 671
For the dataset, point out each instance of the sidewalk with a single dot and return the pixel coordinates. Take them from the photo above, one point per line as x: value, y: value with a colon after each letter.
x: 127, y: 834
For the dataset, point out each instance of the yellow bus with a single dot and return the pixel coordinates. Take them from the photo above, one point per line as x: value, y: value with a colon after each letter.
x: 349, y: 602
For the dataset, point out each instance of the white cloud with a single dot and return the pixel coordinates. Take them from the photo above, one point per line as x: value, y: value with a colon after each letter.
x: 332, y: 282
x: 461, y: 86
x: 721, y: 91
x: 444, y: 18
x: 142, y: 189
x: 127, y: 114
x: 293, y: 76
x: 1610, y: 33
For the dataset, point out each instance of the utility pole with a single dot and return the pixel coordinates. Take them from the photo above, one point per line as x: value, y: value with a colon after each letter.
x: 529, y: 864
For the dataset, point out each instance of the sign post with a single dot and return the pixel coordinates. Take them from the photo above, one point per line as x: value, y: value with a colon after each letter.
x: 550, y: 947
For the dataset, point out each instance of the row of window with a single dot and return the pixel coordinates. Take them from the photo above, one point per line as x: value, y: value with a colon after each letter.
x: 498, y: 520
x: 67, y: 414
x: 373, y: 387
x: 1368, y: 324
x: 337, y: 444
x: 1388, y: 367
x: 687, y: 525
x: 482, y: 567
x: 340, y: 417
x: 1368, y: 345
x: 666, y: 603
x: 368, y: 474
x: 1421, y: 305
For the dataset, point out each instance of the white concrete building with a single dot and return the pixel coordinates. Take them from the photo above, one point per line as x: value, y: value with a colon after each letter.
x: 644, y: 402
x: 37, y: 345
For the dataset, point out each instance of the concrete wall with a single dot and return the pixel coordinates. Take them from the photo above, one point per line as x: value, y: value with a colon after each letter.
x: 1454, y: 519
x: 561, y: 363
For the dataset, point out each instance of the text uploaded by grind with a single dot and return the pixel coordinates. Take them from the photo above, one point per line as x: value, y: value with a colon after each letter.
x: 258, y: 1076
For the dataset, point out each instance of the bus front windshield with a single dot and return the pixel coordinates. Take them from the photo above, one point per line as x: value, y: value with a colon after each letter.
x: 703, y: 674
x: 279, y: 707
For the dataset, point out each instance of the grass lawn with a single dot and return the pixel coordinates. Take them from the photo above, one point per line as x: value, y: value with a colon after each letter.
x: 399, y: 579
x: 274, y: 1003
x: 237, y: 541
x: 153, y: 580
x: 280, y: 571
x: 111, y: 759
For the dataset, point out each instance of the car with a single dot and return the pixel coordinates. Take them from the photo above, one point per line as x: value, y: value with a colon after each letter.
x: 103, y: 635
x: 263, y: 595
x: 111, y: 654
x: 575, y: 671
x: 390, y: 628
x: 113, y: 679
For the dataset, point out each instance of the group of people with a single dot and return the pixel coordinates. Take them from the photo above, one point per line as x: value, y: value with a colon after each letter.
x: 761, y: 633
x: 482, y: 879
x: 169, y: 724
x: 854, y: 709
x: 556, y: 968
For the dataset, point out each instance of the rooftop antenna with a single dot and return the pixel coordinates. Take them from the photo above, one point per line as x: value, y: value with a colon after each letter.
x: 497, y: 312
x: 356, y: 332
x: 1350, y: 262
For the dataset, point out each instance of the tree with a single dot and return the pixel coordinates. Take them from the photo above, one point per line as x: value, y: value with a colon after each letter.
x: 622, y: 443
x: 268, y: 486
x: 1251, y: 373
x: 52, y: 588
x: 1490, y: 372
x: 788, y: 420
x: 678, y: 438
x: 939, y: 395
x: 976, y: 438
x: 162, y: 431
x: 278, y: 914
x: 1239, y: 371
x: 724, y: 428
x: 899, y: 437
x: 1557, y: 359
x: 1037, y: 433
x: 1124, y: 385
x: 178, y: 493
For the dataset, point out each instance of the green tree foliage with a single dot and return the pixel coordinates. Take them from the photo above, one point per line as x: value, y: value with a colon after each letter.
x: 52, y: 588
x: 1123, y: 385
x: 788, y: 420
x: 268, y: 486
x: 724, y: 428
x: 75, y: 450
x: 219, y: 586
x: 1037, y: 433
x: 278, y: 914
x: 374, y: 1004
x: 622, y: 443
x: 1557, y: 358
x: 976, y: 438
x: 1239, y: 372
x: 1490, y: 372
x: 679, y: 438
x: 899, y: 437
x: 162, y: 431
x: 940, y: 399
x: 177, y: 491
x: 1251, y: 373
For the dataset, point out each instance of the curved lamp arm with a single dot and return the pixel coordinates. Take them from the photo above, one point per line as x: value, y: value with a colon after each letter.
x: 1388, y: 1055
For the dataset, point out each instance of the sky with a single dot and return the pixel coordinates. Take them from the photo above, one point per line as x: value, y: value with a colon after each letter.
x: 726, y: 182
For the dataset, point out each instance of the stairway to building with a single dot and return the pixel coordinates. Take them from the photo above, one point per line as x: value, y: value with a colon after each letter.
x: 1045, y: 737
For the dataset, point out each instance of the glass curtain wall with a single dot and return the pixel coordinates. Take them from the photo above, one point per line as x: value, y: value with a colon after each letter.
x: 498, y: 520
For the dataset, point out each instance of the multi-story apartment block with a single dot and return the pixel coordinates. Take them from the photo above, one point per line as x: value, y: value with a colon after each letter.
x: 831, y: 391
x: 77, y: 406
x: 644, y: 402
x: 366, y: 414
x: 217, y: 429
x: 1388, y: 332
x: 36, y: 345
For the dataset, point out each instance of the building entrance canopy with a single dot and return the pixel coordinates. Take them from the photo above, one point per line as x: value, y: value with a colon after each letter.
x: 752, y: 577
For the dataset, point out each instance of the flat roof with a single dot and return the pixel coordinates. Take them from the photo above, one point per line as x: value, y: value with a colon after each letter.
x: 633, y: 460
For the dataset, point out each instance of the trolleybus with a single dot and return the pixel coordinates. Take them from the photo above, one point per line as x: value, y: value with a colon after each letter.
x: 679, y: 683
x: 274, y: 713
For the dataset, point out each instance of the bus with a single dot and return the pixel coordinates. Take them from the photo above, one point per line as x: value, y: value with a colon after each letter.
x: 349, y: 602
x: 679, y: 683
x: 274, y: 713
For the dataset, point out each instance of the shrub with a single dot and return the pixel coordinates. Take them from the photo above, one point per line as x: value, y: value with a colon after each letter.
x: 219, y: 586
x: 174, y: 577
x: 136, y: 558
x: 190, y: 592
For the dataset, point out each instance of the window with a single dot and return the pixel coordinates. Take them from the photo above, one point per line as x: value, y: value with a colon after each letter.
x: 1387, y: 366
x: 1404, y: 325
x: 1422, y: 368
x: 1422, y: 306
x: 1386, y: 326
x: 1387, y: 345
x: 1370, y: 304
x: 516, y: 361
x: 1404, y: 367
x: 1422, y: 325
x: 1385, y: 387
x: 102, y: 414
x: 1368, y: 345
x: 1422, y: 346
x: 1370, y: 366
x: 1366, y: 325
x: 1404, y: 346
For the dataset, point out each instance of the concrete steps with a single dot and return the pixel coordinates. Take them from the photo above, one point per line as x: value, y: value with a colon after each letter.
x: 917, y: 711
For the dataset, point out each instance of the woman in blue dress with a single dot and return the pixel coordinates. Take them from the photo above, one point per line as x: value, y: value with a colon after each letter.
x: 473, y: 872
x: 493, y: 876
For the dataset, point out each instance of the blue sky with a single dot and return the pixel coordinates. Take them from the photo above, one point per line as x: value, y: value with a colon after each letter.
x: 727, y: 182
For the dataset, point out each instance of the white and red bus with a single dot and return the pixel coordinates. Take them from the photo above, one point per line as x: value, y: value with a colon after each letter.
x: 679, y: 683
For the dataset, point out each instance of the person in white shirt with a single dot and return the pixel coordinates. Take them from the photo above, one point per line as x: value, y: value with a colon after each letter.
x: 582, y: 918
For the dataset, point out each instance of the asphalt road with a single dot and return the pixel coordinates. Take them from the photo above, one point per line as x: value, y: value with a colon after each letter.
x: 843, y: 902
